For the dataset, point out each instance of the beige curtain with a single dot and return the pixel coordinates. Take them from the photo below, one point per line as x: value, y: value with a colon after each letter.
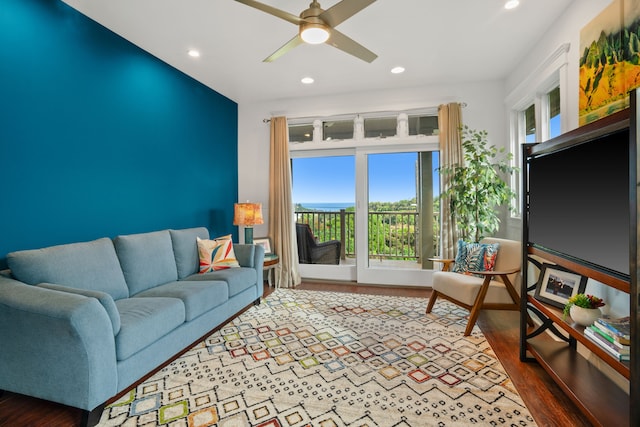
x: 281, y: 222
x: 449, y: 124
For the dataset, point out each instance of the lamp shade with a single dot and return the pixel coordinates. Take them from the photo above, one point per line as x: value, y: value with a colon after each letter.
x: 247, y: 214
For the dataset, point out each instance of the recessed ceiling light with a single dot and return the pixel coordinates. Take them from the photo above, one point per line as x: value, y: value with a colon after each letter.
x: 194, y: 53
x: 307, y: 80
x: 397, y: 70
x: 511, y: 4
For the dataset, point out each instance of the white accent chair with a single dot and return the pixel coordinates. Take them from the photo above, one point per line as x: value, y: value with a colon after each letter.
x: 494, y: 290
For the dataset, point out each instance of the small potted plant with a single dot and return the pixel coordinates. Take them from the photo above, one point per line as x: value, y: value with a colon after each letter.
x: 584, y: 309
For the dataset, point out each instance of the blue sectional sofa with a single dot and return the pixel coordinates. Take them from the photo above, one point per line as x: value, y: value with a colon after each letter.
x: 83, y: 322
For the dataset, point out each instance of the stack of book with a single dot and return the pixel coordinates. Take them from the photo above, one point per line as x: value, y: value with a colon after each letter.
x: 613, y: 335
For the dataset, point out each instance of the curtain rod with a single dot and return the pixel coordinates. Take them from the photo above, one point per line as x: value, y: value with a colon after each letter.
x: 462, y: 104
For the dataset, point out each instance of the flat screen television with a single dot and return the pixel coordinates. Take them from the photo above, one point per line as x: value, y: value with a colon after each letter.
x: 578, y: 203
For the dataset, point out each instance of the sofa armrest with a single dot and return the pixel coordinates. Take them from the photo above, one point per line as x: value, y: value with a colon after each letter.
x: 251, y: 256
x: 258, y: 260
x: 103, y: 298
x: 56, y: 346
x: 245, y: 254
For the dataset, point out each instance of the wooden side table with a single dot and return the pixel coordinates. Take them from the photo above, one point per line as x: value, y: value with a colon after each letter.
x: 270, y: 263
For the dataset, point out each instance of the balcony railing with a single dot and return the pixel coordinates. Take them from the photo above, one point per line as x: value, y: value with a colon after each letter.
x: 392, y: 235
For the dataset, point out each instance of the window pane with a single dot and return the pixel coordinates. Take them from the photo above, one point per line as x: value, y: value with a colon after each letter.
x: 380, y: 127
x: 337, y: 130
x: 322, y: 187
x: 403, y: 218
x: 554, y: 102
x: 422, y: 125
x: 554, y: 112
x: 301, y: 133
x: 530, y: 124
x: 387, y: 188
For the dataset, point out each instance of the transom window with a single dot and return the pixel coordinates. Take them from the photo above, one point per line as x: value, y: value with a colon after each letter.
x: 337, y: 130
x: 301, y: 133
x: 375, y: 126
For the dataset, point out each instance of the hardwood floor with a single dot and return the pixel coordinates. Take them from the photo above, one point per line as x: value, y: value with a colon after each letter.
x: 548, y: 404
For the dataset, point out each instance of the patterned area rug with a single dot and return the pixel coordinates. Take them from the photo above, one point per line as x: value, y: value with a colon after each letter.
x: 308, y: 358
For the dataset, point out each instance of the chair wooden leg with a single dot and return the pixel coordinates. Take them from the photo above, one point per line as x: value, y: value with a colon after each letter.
x: 432, y: 300
x: 473, y: 316
x: 477, y: 306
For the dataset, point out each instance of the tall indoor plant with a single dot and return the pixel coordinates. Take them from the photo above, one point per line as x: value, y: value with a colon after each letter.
x: 477, y: 187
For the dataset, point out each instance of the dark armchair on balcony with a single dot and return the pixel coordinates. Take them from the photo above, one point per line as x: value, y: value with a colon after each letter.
x: 312, y: 252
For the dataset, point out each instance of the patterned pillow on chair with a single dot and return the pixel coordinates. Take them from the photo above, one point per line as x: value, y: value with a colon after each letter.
x: 475, y: 257
x: 216, y: 254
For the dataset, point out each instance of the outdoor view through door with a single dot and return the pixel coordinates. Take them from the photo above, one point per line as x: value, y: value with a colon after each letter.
x: 402, y: 214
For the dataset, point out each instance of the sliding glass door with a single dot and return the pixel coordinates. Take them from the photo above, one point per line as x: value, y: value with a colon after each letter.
x: 324, y: 198
x: 381, y: 204
x: 401, y: 224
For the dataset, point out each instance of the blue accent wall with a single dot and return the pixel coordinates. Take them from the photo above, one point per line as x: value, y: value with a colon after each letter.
x: 99, y: 138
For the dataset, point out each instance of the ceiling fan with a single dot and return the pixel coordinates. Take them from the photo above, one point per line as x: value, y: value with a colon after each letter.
x: 317, y: 26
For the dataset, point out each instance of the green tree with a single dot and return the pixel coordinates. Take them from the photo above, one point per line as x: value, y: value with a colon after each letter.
x: 477, y: 187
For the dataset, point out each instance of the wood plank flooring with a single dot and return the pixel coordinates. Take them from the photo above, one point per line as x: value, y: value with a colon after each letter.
x: 548, y: 404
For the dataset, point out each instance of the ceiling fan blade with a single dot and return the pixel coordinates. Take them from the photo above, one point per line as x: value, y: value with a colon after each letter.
x: 296, y: 41
x: 342, y: 11
x: 350, y: 46
x: 273, y: 11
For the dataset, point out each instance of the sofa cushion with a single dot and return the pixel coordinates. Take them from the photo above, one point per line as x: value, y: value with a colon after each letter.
x: 216, y: 254
x: 197, y: 297
x: 144, y: 321
x: 88, y: 265
x: 147, y: 259
x: 185, y: 249
x: 238, y: 279
x: 103, y: 298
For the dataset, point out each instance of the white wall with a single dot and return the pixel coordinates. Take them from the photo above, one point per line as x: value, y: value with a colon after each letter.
x: 566, y: 29
x: 484, y: 110
x: 522, y: 80
x: 485, y: 102
x: 485, y: 107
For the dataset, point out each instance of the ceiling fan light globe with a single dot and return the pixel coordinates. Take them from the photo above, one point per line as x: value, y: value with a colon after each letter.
x: 314, y: 34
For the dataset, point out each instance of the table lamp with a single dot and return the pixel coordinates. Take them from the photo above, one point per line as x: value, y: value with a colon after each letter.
x: 247, y: 215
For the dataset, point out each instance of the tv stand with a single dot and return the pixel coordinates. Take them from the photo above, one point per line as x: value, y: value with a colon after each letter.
x: 554, y: 342
x: 594, y: 393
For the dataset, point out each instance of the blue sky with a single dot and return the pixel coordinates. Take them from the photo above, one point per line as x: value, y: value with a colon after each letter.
x: 332, y: 179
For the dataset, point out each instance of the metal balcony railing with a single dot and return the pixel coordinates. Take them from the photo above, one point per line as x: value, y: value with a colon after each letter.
x: 393, y: 235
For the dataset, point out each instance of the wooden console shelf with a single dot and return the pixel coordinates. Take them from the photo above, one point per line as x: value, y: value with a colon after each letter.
x: 595, y: 394
x: 577, y: 333
x: 599, y: 398
x: 613, y: 282
x: 587, y: 250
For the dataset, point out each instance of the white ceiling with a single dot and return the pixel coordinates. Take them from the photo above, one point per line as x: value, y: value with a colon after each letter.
x: 437, y: 41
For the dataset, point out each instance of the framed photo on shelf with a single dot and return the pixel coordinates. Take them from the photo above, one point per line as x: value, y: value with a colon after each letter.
x: 556, y: 285
x: 265, y: 242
